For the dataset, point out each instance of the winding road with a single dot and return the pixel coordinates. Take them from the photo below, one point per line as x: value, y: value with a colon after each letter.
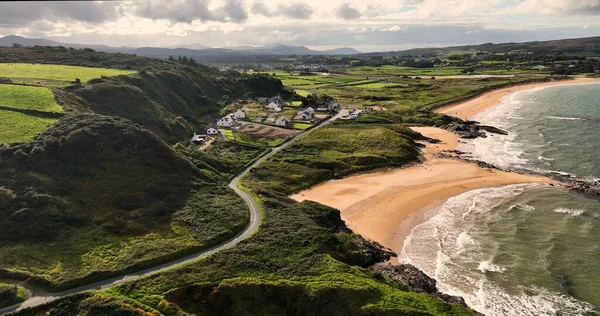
x: 38, y: 297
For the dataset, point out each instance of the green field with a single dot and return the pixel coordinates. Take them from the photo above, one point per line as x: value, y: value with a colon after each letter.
x: 228, y: 134
x: 302, y: 126
x: 302, y: 93
x: 28, y: 98
x: 20, y: 127
x: 57, y: 74
x: 293, y: 81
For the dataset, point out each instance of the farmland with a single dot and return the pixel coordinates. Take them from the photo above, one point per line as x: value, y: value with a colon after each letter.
x: 20, y: 127
x: 54, y: 75
x: 28, y: 98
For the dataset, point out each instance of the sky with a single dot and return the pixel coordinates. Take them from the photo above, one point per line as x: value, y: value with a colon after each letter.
x: 367, y: 25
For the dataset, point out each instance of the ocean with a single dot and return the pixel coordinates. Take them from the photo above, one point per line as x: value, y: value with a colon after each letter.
x: 526, y: 249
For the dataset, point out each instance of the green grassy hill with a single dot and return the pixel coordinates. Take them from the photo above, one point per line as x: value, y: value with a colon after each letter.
x: 94, y: 195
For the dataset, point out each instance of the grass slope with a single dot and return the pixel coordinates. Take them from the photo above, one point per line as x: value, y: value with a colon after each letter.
x: 96, y: 195
x: 61, y: 75
x: 11, y: 294
x: 20, y: 127
x: 28, y: 98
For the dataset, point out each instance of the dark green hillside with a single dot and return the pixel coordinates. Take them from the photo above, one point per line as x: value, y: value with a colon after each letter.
x: 303, y: 261
x: 171, y: 103
x: 96, y: 193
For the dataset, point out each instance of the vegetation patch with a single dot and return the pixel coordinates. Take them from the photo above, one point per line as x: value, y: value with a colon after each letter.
x: 11, y: 294
x: 28, y: 98
x: 96, y: 196
x: 29, y: 73
x: 20, y: 127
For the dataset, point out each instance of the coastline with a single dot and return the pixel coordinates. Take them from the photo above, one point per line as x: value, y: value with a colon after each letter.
x: 385, y: 206
x: 466, y: 110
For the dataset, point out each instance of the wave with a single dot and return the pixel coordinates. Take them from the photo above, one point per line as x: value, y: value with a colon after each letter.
x: 452, y: 247
x: 569, y: 211
x: 566, y: 118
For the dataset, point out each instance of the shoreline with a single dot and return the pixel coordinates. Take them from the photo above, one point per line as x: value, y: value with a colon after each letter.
x: 467, y: 109
x: 386, y: 206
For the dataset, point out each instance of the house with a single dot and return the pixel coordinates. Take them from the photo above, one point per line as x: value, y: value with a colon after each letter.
x: 273, y: 105
x: 263, y: 100
x: 212, y: 131
x: 306, y: 114
x: 241, y: 114
x: 227, y: 121
x: 282, y: 121
x: 198, y: 139
x: 277, y: 100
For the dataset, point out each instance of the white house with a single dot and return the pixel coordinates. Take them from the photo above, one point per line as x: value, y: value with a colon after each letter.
x: 198, y: 138
x: 306, y: 114
x: 227, y: 121
x: 241, y: 114
x: 212, y: 131
x: 277, y: 100
x: 282, y: 121
x: 272, y: 105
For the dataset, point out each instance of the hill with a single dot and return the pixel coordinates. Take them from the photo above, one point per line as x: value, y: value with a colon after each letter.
x: 198, y: 51
x: 94, y: 195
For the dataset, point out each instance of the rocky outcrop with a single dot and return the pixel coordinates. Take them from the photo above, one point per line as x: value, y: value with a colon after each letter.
x: 586, y: 187
x: 471, y: 129
x: 416, y: 281
x: 373, y: 252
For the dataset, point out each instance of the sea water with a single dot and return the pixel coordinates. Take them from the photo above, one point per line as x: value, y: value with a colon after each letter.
x: 525, y: 249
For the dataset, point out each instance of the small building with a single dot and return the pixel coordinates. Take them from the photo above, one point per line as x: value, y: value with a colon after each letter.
x: 263, y: 100
x: 227, y: 121
x: 212, y: 131
x: 198, y: 139
x: 241, y: 114
x: 306, y: 114
x: 277, y: 100
x: 273, y: 105
x: 282, y: 121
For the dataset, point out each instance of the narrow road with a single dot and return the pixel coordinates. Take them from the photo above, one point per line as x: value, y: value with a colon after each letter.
x: 39, y: 298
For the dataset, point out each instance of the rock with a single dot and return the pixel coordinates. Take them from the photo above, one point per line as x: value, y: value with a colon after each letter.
x: 373, y: 251
x: 492, y: 129
x: 416, y: 281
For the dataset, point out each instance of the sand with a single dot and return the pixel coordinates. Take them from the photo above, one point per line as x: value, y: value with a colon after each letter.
x: 386, y: 205
x: 376, y: 204
x: 468, y: 109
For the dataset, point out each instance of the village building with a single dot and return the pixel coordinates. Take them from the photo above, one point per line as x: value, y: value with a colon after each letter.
x: 212, y: 131
x: 241, y: 114
x: 306, y: 114
x: 263, y: 100
x: 277, y: 100
x: 227, y: 121
x: 282, y: 121
x: 199, y: 137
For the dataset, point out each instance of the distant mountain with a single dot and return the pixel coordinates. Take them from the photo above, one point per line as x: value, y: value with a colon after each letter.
x: 10, y: 39
x: 193, y: 50
x: 191, y: 46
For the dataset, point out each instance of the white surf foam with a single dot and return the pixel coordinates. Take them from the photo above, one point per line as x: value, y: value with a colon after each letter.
x: 569, y: 211
x: 566, y: 118
x: 451, y: 248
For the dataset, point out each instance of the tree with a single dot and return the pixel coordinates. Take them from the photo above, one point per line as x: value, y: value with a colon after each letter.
x: 171, y: 58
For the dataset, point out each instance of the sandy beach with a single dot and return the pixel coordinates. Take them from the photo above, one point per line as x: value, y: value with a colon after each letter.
x: 468, y: 109
x: 386, y: 205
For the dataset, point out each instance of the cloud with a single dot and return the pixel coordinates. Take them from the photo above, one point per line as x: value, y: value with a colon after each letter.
x: 236, y: 11
x: 297, y: 10
x: 346, y: 12
x: 394, y: 28
x: 24, y: 13
x: 188, y: 11
x: 558, y: 7
x: 259, y: 8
